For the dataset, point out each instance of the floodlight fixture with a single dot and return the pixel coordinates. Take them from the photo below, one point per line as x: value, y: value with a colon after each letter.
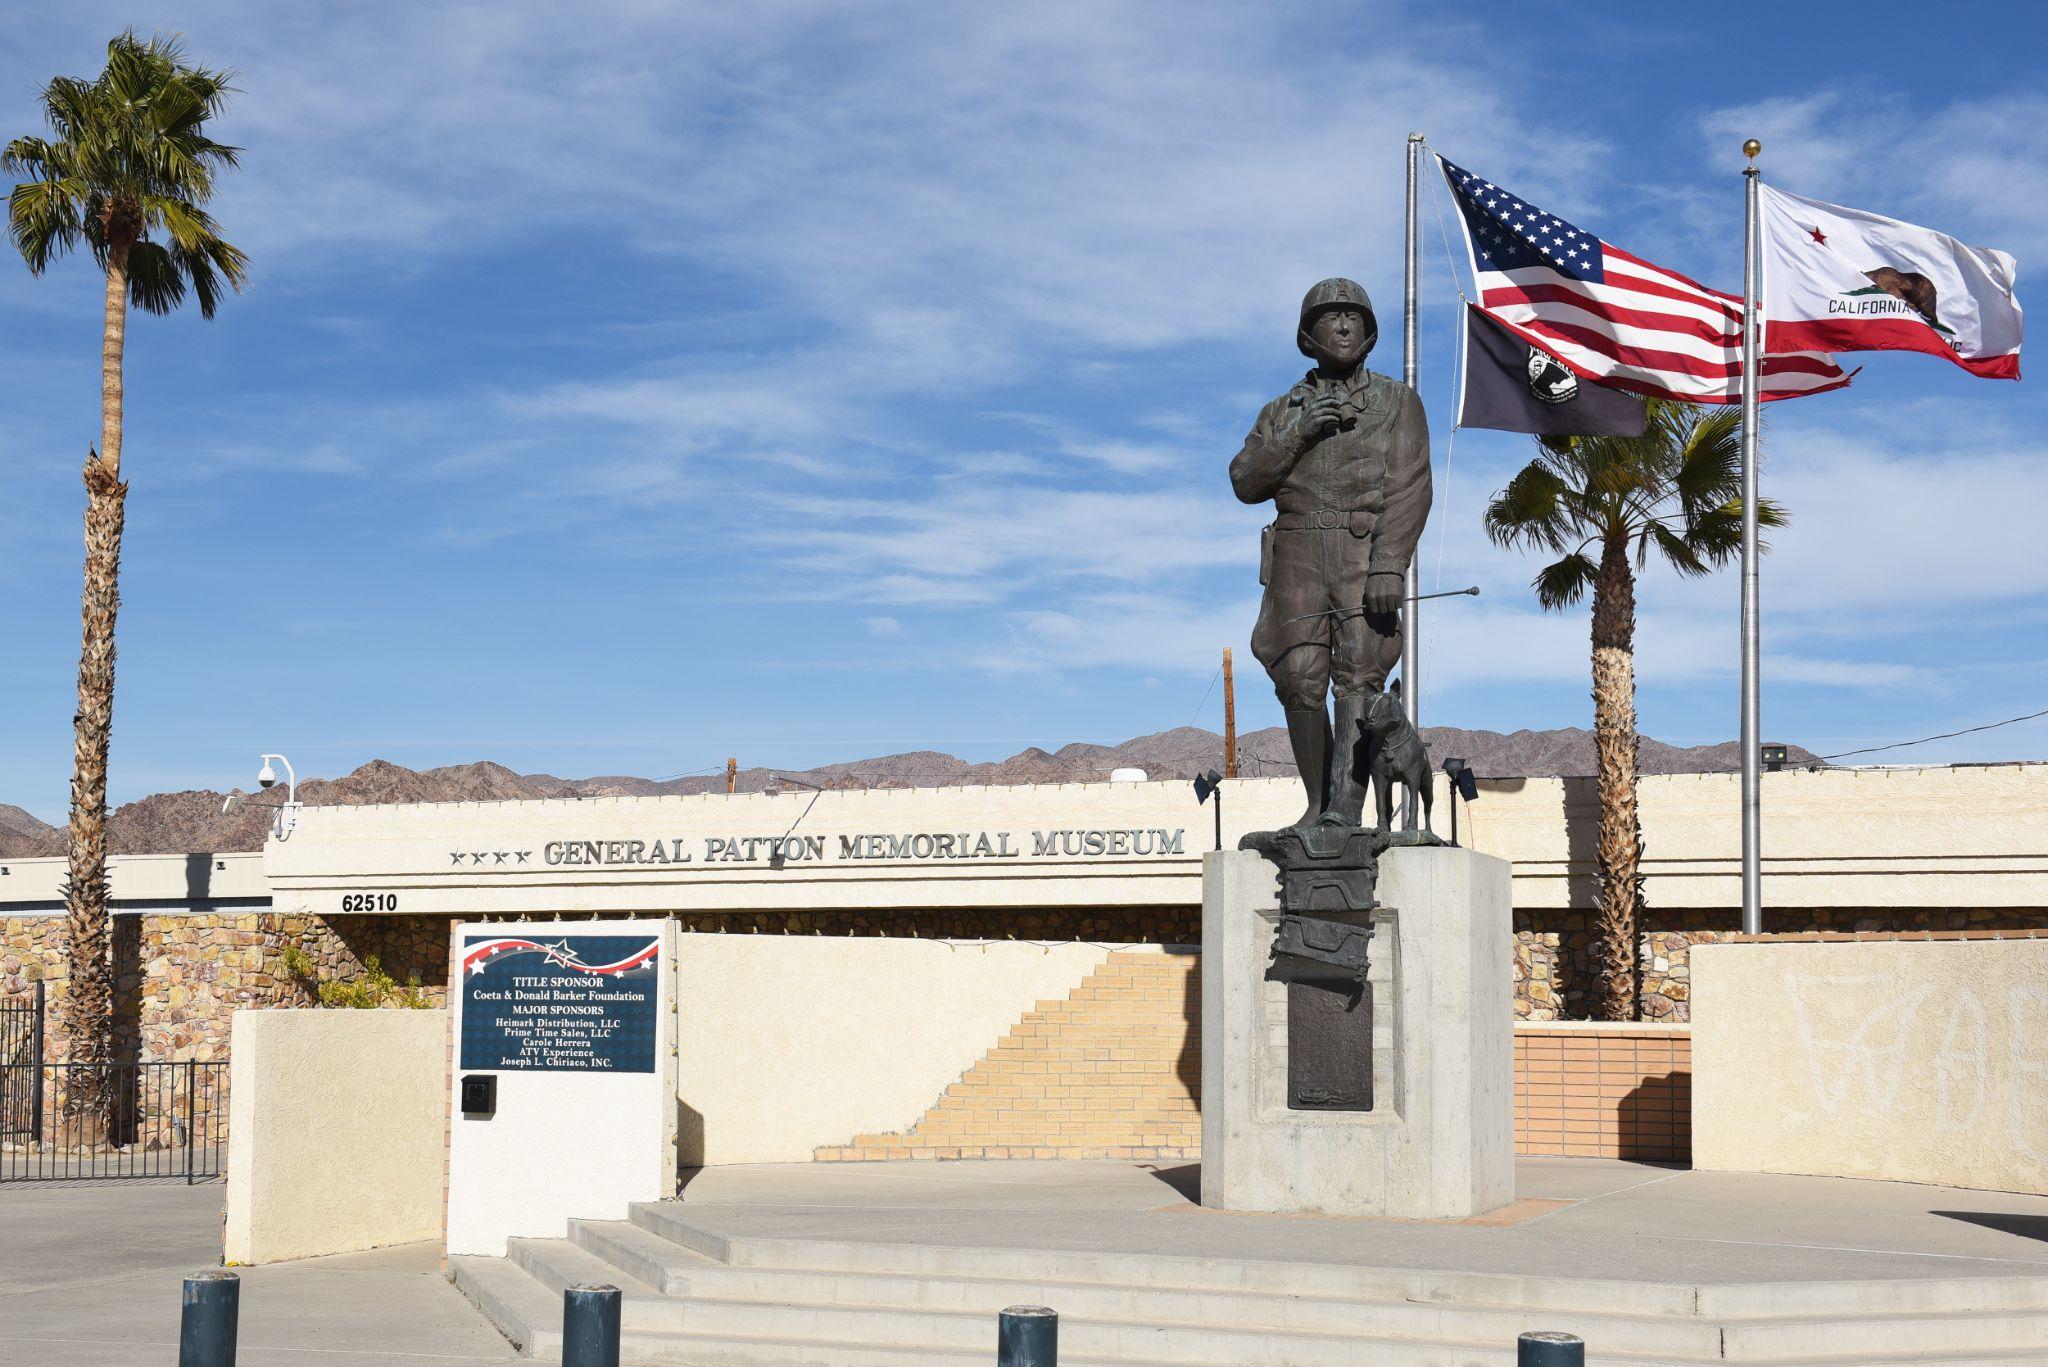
x: 1210, y: 785
x: 1463, y: 784
x: 1773, y: 756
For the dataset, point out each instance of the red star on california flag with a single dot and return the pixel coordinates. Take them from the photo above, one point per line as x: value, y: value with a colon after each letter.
x: 1819, y: 236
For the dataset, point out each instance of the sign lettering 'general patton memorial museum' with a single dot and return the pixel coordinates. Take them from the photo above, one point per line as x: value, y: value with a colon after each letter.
x: 747, y: 849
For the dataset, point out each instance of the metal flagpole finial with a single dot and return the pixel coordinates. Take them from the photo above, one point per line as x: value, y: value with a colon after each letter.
x: 1751, y: 148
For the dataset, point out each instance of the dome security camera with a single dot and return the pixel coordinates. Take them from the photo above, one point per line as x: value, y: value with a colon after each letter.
x: 268, y: 777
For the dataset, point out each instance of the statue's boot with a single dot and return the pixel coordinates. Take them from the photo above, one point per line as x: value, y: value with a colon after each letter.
x: 1345, y: 804
x: 1309, y: 733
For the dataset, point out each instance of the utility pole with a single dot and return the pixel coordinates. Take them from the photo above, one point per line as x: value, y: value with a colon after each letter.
x: 732, y: 776
x: 1229, y: 718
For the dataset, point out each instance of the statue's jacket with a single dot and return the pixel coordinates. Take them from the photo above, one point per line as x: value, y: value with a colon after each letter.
x: 1352, y: 505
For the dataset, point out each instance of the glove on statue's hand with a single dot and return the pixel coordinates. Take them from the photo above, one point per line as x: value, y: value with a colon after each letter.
x: 1383, y: 591
x: 1318, y: 418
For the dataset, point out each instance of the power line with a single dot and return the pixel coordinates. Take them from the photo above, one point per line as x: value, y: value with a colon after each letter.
x: 690, y: 773
x: 1205, y: 694
x: 1967, y: 730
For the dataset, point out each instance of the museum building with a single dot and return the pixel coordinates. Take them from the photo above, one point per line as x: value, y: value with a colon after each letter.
x: 1013, y: 972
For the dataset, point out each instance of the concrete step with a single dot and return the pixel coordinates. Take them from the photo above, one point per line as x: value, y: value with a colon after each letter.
x: 676, y: 1221
x: 680, y: 1272
x: 1859, y: 1339
x: 523, y: 1310
x: 528, y: 1311
x: 557, y: 1264
x: 1766, y: 1300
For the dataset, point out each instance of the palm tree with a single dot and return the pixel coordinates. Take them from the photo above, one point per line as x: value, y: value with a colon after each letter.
x: 1593, y: 501
x: 126, y: 171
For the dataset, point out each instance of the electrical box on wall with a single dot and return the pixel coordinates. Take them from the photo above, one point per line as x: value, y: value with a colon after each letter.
x: 479, y: 1093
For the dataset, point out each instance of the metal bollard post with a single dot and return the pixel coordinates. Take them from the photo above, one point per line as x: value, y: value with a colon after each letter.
x: 206, y: 1329
x: 1548, y: 1348
x: 1028, y: 1336
x: 590, y: 1326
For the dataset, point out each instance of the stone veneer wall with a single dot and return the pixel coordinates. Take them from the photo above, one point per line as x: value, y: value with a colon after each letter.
x: 180, y: 977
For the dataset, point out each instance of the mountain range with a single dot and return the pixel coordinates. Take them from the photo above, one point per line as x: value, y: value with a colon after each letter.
x: 183, y: 822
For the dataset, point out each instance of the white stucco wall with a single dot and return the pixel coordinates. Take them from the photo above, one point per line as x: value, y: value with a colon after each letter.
x: 1902, y: 1060
x: 139, y: 881
x: 791, y: 1042
x: 335, y: 1131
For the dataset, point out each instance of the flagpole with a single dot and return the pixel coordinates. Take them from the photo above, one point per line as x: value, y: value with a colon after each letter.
x: 1411, y: 611
x: 1752, y: 727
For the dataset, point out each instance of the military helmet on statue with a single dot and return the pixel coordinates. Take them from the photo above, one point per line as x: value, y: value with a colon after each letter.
x: 1335, y: 293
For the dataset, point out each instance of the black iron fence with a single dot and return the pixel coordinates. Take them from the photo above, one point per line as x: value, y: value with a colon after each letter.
x: 21, y: 1062
x: 110, y: 1120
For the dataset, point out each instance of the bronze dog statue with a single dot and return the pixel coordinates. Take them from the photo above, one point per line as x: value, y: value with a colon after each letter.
x: 1395, y: 751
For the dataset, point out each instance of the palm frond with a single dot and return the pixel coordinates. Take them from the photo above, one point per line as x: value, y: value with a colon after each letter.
x: 1683, y: 555
x: 207, y: 263
x: 187, y: 223
x: 1563, y: 582
x: 29, y: 156
x: 1709, y: 469
x: 155, y: 283
x: 1532, y: 510
x: 42, y: 222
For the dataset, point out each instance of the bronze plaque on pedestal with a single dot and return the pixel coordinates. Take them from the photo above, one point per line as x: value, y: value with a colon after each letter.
x: 1329, y: 1046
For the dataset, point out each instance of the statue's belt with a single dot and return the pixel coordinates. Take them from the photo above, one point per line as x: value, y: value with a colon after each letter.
x: 1326, y: 518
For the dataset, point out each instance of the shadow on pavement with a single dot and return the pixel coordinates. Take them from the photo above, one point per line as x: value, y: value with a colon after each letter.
x: 1185, y: 1179
x: 2025, y: 1226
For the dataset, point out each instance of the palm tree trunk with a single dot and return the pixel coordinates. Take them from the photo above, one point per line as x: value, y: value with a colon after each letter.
x: 1620, y: 854
x: 89, y: 997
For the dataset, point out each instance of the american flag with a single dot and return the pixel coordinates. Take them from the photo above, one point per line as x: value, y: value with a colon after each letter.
x: 1612, y: 317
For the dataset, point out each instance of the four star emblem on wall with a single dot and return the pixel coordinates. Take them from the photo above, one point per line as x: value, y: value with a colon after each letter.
x: 489, y: 856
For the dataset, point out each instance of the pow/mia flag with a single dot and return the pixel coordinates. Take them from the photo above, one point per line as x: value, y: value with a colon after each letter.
x: 1512, y: 386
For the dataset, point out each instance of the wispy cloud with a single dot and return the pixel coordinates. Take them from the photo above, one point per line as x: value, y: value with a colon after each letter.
x: 1975, y: 166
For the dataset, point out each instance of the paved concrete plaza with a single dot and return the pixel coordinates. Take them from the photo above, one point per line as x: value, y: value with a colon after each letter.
x: 90, y: 1275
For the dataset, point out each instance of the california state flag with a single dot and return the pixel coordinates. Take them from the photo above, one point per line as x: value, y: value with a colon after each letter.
x: 1839, y: 279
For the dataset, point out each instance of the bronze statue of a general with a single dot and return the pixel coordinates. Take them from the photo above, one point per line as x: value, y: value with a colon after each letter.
x: 1344, y: 455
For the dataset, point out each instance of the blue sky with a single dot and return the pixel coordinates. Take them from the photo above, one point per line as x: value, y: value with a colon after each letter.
x: 621, y: 387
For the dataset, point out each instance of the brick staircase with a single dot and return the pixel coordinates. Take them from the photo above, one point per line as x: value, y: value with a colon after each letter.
x: 1114, y: 1070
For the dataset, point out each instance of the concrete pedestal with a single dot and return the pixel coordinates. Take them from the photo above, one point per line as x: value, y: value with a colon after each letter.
x: 1439, y: 1143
